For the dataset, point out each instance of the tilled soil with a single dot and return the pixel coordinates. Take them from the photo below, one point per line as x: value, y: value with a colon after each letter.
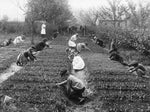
x: 115, y: 89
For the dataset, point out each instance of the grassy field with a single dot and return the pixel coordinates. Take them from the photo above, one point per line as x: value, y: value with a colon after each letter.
x: 115, y: 90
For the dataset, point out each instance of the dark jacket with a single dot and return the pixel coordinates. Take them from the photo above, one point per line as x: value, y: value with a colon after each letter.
x: 40, y: 46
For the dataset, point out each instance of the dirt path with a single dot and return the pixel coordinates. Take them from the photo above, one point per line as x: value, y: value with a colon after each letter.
x: 9, y: 72
x: 7, y: 54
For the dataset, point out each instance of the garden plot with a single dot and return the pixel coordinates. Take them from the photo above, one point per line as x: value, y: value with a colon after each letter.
x: 9, y: 53
x: 115, y: 89
x: 34, y: 84
x: 9, y: 72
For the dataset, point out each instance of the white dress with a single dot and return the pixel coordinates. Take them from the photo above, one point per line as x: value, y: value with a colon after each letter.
x: 43, y: 29
x: 71, y: 43
x: 74, y: 37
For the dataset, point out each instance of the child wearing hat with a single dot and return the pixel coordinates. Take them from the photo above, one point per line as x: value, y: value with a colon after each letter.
x: 72, y: 45
x: 72, y: 40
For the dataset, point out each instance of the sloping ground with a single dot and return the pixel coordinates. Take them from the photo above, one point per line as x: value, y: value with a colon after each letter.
x: 34, y: 85
x: 9, y: 53
x: 115, y: 90
x: 13, y: 68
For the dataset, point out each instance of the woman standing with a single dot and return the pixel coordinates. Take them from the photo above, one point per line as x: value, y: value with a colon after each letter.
x: 43, y: 30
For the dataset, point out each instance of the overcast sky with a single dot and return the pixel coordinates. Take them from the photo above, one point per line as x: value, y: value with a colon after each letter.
x: 9, y: 7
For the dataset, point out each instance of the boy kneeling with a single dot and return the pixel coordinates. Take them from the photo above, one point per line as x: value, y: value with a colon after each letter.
x: 138, y: 69
x: 114, y: 54
x: 40, y: 46
x: 74, y: 87
x: 24, y: 57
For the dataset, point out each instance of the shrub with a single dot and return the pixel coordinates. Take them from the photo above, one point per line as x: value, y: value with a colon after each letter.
x: 12, y: 27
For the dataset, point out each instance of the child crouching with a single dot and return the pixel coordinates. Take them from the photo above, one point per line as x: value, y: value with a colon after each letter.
x: 24, y: 57
x: 138, y: 69
x: 74, y: 87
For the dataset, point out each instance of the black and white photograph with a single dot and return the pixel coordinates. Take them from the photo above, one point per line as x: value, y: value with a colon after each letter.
x: 74, y: 55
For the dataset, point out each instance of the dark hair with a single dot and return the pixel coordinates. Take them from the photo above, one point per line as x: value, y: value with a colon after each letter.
x: 134, y: 63
x: 31, y: 49
x: 10, y: 38
x: 63, y: 72
x: 114, y: 50
x: 93, y: 35
x: 45, y: 40
x: 26, y: 54
x: 86, y: 44
x: 77, y: 34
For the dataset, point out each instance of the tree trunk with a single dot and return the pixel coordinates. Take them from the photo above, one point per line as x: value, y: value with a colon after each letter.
x: 32, y: 37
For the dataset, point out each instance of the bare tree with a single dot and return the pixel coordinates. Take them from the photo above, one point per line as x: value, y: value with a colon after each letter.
x: 53, y: 11
x: 115, y: 13
x: 106, y: 17
x: 4, y: 18
x: 89, y: 17
x: 140, y: 15
x: 22, y: 5
x: 4, y: 21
